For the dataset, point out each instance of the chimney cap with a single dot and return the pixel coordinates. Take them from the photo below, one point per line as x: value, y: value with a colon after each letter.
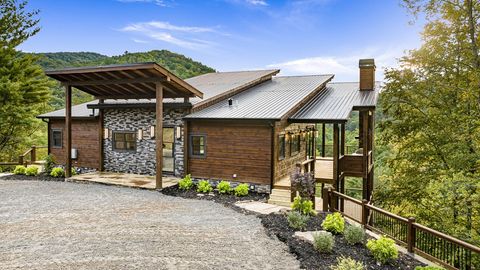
x: 366, y: 63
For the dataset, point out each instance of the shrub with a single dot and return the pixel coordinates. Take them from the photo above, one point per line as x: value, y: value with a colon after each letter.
x: 304, y: 183
x: 354, y: 234
x: 57, y: 172
x: 429, y: 268
x: 186, y: 183
x: 204, y: 186
x: 303, y: 206
x: 297, y: 221
x: 224, y: 187
x: 383, y: 249
x: 344, y: 263
x: 73, y: 171
x: 31, y: 171
x: 334, y: 223
x: 241, y: 190
x: 19, y: 169
x: 49, y: 163
x: 323, y: 242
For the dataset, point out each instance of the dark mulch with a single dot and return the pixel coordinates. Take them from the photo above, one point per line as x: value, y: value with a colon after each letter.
x: 277, y: 224
x: 40, y: 177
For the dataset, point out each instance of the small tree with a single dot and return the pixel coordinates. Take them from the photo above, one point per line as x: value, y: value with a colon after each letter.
x: 304, y: 183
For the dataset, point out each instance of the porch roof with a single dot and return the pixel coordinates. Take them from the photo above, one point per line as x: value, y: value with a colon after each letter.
x: 125, y: 81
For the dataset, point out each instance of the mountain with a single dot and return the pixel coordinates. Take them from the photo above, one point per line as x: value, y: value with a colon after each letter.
x: 178, y: 64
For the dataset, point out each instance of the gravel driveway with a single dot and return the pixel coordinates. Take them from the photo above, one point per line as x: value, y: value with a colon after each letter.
x: 58, y: 225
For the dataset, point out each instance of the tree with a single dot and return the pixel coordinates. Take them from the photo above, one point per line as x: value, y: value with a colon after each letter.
x: 24, y: 89
x: 431, y: 107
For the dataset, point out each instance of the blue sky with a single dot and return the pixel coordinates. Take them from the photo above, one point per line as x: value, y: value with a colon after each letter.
x: 299, y: 37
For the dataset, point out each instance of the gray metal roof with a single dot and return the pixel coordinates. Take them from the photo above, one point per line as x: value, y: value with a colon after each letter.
x: 78, y: 111
x: 336, y: 102
x: 269, y: 100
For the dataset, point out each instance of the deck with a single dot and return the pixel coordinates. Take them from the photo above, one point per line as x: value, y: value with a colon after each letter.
x: 124, y: 179
x: 324, y: 169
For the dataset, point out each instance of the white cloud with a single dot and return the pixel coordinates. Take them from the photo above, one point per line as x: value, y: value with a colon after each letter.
x: 161, y: 3
x: 139, y: 41
x: 345, y: 68
x: 166, y: 26
x: 257, y: 2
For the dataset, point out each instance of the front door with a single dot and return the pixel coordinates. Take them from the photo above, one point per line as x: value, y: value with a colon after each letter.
x: 168, y: 150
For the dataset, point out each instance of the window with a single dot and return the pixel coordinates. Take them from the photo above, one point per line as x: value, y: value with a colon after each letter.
x: 57, y: 138
x: 124, y: 141
x: 197, y: 145
x: 281, y: 147
x: 294, y: 144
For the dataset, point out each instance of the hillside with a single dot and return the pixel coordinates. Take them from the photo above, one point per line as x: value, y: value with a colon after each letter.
x: 178, y: 64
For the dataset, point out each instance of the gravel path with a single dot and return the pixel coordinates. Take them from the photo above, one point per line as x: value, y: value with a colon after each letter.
x: 58, y: 225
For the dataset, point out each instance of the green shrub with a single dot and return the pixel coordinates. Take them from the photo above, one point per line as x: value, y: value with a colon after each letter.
x: 334, y: 223
x: 383, y: 249
x: 344, y: 263
x: 354, y: 234
x: 186, y: 183
x: 31, y: 171
x: 429, y: 268
x: 303, y: 206
x: 57, y: 172
x: 204, y: 186
x: 241, y: 190
x: 49, y: 163
x: 297, y: 221
x: 73, y: 171
x: 323, y: 242
x: 224, y: 187
x: 20, y: 169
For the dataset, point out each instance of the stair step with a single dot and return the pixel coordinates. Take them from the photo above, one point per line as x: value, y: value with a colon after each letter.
x: 279, y: 198
x: 281, y: 192
x: 281, y: 202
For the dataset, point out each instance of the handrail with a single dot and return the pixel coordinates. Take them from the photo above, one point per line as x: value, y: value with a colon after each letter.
x: 21, y: 158
x: 448, y: 237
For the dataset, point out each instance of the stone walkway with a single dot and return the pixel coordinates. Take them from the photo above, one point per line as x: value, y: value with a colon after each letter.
x: 124, y: 179
x: 62, y: 225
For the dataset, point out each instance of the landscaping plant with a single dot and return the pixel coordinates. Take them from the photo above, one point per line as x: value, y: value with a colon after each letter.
x: 186, y: 183
x: 224, y: 187
x: 73, y: 171
x: 49, y: 163
x: 323, y: 241
x: 303, y: 206
x: 241, y: 190
x: 429, y: 268
x: 334, y: 223
x: 344, y: 263
x: 57, y: 172
x: 31, y: 171
x: 383, y: 249
x: 297, y: 221
x: 204, y: 186
x: 19, y: 169
x: 354, y: 234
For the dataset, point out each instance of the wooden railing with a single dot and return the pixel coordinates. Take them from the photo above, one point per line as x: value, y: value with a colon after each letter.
x: 431, y: 244
x: 29, y: 157
x: 349, y: 149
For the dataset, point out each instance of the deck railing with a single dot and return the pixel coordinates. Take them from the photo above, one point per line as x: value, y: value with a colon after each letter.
x: 29, y: 157
x: 431, y: 244
x: 349, y: 150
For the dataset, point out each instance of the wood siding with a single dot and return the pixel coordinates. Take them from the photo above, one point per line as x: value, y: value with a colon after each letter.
x: 85, y: 138
x: 237, y: 148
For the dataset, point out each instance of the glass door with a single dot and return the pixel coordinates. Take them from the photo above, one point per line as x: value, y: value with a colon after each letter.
x: 168, y: 150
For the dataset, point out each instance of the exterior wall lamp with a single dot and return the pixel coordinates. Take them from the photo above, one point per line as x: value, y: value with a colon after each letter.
x: 178, y: 132
x: 140, y: 134
x: 152, y: 132
x: 106, y: 133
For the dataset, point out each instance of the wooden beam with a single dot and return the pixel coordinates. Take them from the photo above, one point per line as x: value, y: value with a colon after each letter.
x: 364, y: 124
x: 342, y: 142
x: 100, y: 136
x: 159, y: 135
x: 323, y: 139
x: 116, y: 81
x: 185, y: 146
x: 68, y: 131
x: 336, y: 160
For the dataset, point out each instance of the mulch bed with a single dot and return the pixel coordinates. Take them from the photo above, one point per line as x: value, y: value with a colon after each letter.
x: 276, y: 224
x: 40, y: 177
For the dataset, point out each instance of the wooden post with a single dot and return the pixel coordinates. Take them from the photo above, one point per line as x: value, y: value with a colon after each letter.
x: 323, y: 139
x: 100, y: 136
x: 335, y: 161
x: 410, y: 234
x: 33, y: 154
x: 364, y: 212
x: 159, y: 135
x: 68, y: 131
x: 364, y: 125
x: 325, y: 198
x: 342, y: 142
x: 20, y: 160
x: 185, y: 147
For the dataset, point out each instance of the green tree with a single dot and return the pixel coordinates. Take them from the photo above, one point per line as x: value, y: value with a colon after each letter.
x: 431, y: 125
x: 24, y: 89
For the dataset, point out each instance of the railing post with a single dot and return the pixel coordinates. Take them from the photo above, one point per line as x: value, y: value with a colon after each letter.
x: 33, y: 154
x: 364, y: 212
x: 325, y: 199
x: 20, y: 160
x: 410, y: 234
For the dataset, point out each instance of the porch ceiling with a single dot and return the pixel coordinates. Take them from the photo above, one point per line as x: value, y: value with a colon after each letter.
x: 129, y: 81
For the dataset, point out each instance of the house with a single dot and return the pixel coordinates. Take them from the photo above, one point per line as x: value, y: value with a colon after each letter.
x: 248, y: 126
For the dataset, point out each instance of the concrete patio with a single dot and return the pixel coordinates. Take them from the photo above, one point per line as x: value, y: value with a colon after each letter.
x: 123, y: 179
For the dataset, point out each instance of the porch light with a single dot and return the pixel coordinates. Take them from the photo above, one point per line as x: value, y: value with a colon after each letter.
x: 152, y: 132
x: 178, y: 132
x: 140, y: 134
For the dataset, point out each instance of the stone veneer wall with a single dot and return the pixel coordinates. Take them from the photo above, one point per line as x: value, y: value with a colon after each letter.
x: 142, y: 161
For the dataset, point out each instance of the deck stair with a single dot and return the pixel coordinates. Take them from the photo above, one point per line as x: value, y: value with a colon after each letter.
x: 280, y: 197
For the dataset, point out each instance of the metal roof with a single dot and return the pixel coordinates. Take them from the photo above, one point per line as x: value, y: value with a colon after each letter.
x: 269, y: 100
x: 125, y: 81
x: 78, y: 111
x: 336, y: 102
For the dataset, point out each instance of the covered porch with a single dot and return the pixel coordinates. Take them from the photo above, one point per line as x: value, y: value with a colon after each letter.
x: 129, y: 81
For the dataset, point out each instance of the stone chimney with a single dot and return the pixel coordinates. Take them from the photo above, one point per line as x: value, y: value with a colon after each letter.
x: 367, y: 74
